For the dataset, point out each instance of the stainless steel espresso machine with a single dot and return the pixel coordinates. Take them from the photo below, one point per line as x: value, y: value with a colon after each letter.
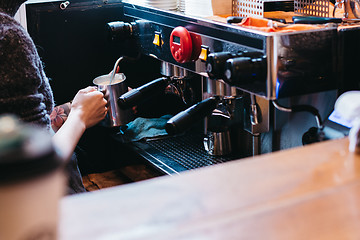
x: 245, y: 92
x: 261, y: 92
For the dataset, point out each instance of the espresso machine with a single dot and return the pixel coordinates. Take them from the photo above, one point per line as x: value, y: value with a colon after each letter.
x: 259, y: 92
x: 243, y: 92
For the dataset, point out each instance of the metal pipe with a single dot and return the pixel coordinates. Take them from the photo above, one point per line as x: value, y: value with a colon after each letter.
x: 301, y: 108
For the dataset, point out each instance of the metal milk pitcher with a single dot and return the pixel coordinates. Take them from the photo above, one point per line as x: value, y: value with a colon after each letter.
x: 113, y: 85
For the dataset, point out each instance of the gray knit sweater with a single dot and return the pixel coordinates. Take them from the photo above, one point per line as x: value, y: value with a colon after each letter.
x: 24, y: 87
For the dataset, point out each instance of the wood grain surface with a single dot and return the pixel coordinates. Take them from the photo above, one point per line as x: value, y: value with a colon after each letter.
x: 310, y: 192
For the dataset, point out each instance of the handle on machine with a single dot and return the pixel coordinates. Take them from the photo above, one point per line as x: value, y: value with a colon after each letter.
x: 119, y: 30
x: 186, y: 118
x: 137, y: 95
x: 314, y: 20
x: 234, y: 19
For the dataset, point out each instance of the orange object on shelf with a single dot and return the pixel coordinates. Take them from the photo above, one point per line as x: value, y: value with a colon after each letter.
x: 266, y: 25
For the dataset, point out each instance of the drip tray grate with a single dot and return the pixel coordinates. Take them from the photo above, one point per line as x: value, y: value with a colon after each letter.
x: 179, y: 153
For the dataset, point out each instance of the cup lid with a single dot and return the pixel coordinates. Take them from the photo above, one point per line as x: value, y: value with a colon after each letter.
x: 26, y: 151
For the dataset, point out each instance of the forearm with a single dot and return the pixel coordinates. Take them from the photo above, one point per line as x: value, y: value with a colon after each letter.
x: 59, y: 115
x: 87, y: 109
x: 67, y: 137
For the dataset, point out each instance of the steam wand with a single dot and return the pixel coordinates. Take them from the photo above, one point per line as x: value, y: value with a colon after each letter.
x: 140, y: 94
x: 313, y: 134
x: 301, y: 108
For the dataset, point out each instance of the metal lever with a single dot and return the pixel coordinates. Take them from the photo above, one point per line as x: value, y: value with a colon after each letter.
x: 254, y: 114
x: 255, y: 119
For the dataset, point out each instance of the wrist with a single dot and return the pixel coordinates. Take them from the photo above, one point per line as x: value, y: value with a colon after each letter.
x: 75, y: 116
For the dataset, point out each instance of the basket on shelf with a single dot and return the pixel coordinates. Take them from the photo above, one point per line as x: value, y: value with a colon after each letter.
x: 256, y: 8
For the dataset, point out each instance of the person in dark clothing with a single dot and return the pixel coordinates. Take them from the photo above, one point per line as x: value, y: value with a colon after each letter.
x: 25, y: 91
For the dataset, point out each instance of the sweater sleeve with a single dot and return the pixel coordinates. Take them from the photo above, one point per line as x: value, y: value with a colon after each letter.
x: 24, y: 87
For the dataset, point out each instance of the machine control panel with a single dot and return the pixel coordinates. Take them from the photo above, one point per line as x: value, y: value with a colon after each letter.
x: 184, y: 46
x: 181, y: 45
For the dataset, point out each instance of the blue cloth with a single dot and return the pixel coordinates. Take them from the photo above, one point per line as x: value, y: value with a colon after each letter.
x: 144, y: 128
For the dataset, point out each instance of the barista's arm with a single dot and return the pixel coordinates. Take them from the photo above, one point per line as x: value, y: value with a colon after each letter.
x: 87, y: 109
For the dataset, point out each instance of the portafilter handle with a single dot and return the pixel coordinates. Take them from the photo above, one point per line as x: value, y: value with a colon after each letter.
x: 183, y: 120
x: 137, y: 95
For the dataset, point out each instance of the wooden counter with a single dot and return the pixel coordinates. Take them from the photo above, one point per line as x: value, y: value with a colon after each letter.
x: 308, y: 192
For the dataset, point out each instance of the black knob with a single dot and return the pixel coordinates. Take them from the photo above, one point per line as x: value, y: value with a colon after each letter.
x: 215, y: 64
x: 234, y: 19
x: 313, y: 135
x: 119, y: 30
x: 245, y: 69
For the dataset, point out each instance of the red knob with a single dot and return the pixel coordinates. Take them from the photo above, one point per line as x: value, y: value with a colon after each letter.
x: 181, y: 45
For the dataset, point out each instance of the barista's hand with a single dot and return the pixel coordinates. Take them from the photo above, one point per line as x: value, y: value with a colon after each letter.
x: 89, y: 106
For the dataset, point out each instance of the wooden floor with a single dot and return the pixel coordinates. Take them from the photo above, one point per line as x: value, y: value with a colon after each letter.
x: 125, y: 175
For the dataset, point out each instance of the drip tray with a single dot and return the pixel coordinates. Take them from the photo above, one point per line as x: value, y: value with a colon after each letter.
x: 180, y: 153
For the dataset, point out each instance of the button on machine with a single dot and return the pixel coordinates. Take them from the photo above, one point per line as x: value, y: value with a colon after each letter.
x: 204, y: 53
x: 158, y: 40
